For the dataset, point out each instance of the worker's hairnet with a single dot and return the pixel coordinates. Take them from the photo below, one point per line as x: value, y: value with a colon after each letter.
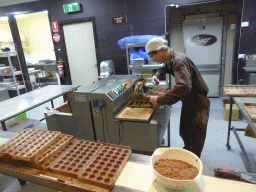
x: 155, y: 44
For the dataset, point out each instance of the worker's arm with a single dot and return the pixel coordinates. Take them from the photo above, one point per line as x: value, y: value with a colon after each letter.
x: 183, y: 85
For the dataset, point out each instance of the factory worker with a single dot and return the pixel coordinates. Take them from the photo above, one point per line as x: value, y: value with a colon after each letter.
x: 190, y: 89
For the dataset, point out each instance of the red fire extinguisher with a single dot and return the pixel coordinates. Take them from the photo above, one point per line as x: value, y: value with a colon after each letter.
x: 60, y: 69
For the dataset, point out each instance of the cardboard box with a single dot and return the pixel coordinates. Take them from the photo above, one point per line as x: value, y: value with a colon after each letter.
x: 226, y: 109
x: 249, y: 132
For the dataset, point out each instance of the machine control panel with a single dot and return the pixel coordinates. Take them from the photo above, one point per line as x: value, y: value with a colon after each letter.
x: 118, y: 90
x: 250, y: 60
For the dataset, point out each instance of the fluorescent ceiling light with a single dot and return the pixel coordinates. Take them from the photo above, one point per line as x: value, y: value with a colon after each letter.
x: 20, y: 16
x: 18, y: 13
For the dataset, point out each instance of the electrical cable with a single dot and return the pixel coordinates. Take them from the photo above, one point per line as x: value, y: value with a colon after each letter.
x: 103, y: 124
x: 120, y: 132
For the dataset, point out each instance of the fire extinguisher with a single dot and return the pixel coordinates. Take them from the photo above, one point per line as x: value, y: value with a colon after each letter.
x: 60, y: 69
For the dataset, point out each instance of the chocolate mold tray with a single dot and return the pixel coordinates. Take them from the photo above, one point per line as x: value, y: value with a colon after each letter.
x: 157, y: 91
x: 15, y: 143
x: 139, y: 103
x: 61, y: 142
x: 51, y: 160
x: 106, y: 166
x: 34, y: 146
x: 74, y: 160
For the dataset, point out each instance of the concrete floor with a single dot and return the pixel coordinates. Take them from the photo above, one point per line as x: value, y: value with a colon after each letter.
x: 215, y: 153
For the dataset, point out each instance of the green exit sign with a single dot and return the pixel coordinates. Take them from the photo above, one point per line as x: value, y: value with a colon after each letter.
x: 73, y: 7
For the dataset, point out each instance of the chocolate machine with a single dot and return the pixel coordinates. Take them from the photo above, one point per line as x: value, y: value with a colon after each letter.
x: 114, y: 110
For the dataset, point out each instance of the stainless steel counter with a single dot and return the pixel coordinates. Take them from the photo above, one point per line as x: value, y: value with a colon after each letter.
x: 12, y: 107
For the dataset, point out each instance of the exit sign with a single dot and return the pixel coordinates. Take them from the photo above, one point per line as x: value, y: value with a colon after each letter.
x: 73, y: 7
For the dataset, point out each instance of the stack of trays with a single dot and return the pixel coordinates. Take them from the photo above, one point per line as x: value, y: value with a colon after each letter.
x: 98, y: 164
x: 240, y: 91
x: 61, y: 142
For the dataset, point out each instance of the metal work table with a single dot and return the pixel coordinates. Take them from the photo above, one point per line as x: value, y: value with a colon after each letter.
x: 240, y: 101
x: 12, y: 107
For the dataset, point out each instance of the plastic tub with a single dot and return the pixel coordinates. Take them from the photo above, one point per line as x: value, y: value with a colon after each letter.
x: 139, y: 62
x: 178, y: 154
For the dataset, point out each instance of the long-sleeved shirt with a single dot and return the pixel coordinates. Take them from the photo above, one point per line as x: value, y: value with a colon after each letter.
x: 187, y: 77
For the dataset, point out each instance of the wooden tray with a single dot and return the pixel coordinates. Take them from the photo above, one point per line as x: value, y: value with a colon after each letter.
x: 250, y: 108
x: 156, y: 91
x: 136, y: 113
x: 240, y: 91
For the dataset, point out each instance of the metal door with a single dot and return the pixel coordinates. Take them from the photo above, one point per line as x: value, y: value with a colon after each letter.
x: 203, y: 41
x: 81, y: 52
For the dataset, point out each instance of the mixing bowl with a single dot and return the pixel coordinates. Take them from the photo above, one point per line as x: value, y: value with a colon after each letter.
x: 177, y: 154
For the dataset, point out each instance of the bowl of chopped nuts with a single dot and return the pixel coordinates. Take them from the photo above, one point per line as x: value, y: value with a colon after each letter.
x: 176, y: 168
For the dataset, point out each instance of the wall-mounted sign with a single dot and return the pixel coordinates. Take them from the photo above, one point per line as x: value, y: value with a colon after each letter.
x: 201, y: 40
x: 56, y: 37
x: 73, y: 7
x: 55, y: 27
x: 121, y: 19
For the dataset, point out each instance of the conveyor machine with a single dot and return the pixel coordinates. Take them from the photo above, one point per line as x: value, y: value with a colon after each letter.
x: 100, y: 112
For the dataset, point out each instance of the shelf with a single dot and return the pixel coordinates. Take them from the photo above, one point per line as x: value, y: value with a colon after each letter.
x: 157, y: 66
x: 135, y: 45
x: 13, y: 86
x: 8, y: 53
x: 19, y: 87
x: 10, y: 75
x: 34, y: 71
x: 41, y: 65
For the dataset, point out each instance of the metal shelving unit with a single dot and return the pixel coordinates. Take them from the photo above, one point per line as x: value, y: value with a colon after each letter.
x: 165, y: 83
x: 15, y: 85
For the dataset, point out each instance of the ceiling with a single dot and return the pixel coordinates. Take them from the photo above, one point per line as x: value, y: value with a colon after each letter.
x: 13, y: 2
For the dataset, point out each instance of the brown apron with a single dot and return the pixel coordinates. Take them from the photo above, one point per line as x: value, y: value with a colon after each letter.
x: 193, y: 122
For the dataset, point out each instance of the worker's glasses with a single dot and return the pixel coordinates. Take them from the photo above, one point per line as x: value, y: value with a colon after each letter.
x: 151, y: 54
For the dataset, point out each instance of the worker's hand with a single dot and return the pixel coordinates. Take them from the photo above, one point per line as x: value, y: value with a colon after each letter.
x: 155, y: 81
x: 153, y: 100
